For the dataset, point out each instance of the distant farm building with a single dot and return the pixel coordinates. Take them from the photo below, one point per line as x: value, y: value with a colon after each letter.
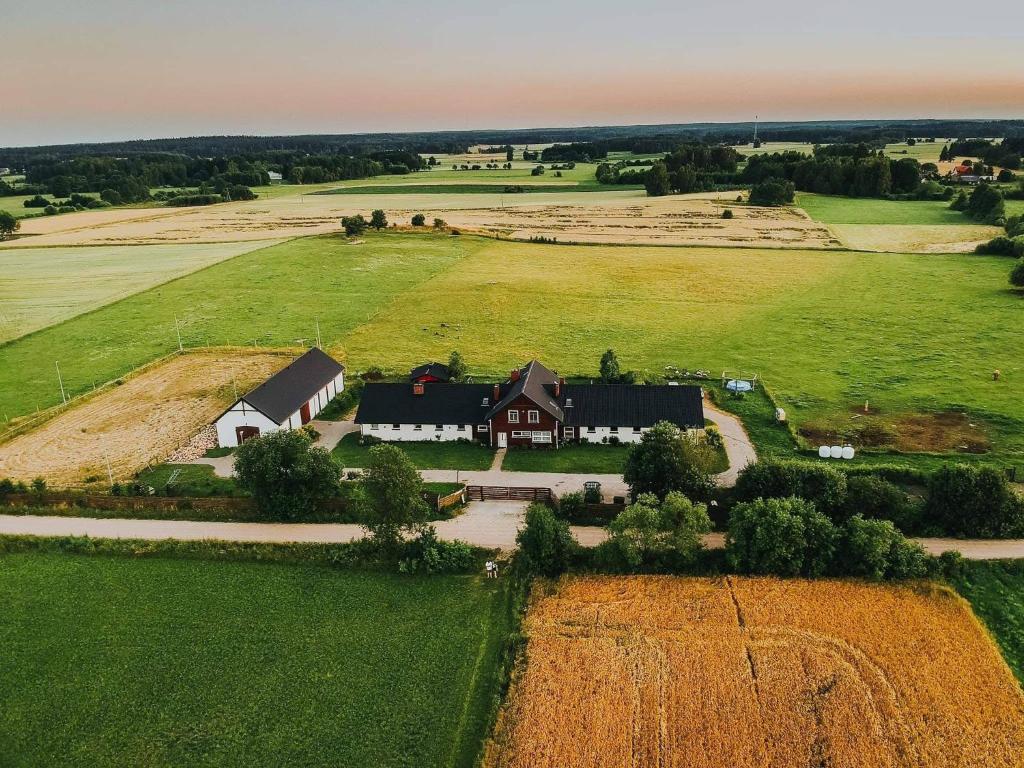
x: 534, y: 407
x: 431, y: 373
x: 275, y: 177
x: 287, y: 400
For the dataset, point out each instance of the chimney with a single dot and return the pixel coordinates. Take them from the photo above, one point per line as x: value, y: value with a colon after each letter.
x: 497, y: 392
x: 559, y: 386
x: 417, y: 388
x: 514, y: 375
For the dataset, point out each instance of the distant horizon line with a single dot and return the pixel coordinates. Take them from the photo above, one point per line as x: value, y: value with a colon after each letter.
x: 594, y: 126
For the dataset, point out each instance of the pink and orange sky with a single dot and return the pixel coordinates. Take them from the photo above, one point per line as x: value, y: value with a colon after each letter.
x: 114, y: 69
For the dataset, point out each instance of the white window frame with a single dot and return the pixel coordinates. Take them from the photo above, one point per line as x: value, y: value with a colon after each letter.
x: 533, y: 417
x: 513, y: 417
x: 569, y: 432
x: 481, y: 427
x: 542, y: 436
x: 417, y: 428
x: 522, y: 433
x: 375, y: 426
x: 613, y: 430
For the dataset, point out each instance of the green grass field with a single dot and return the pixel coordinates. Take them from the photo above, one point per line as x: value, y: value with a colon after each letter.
x: 15, y: 205
x: 436, y: 455
x: 826, y: 330
x: 111, y: 661
x: 995, y: 590
x: 42, y: 286
x: 829, y: 209
x: 582, y: 458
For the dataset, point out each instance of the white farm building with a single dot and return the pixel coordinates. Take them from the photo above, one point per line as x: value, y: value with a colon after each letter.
x: 287, y: 400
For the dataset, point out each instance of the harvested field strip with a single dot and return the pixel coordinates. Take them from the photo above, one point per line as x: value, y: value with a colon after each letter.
x: 138, y: 422
x: 757, y: 672
x: 464, y: 189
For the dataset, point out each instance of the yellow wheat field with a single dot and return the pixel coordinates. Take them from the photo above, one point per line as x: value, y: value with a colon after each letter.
x: 730, y: 673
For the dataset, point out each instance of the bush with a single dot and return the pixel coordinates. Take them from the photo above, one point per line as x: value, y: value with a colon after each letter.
x: 378, y: 219
x: 821, y: 484
x: 772, y: 192
x: 874, y: 498
x: 727, y: 213
x: 784, y: 537
x: 571, y: 506
x: 713, y: 437
x: 545, y: 544
x: 1017, y: 275
x: 874, y: 549
x: 974, y: 501
x: 1002, y: 246
x: 36, y: 202
x: 658, y: 537
x: 354, y: 225
x: 428, y: 554
x: 667, y: 460
x: 392, y: 500
x: 440, y: 224
x: 418, y: 220
x: 285, y: 474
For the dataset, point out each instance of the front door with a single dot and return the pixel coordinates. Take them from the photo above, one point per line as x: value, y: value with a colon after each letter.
x: 502, y: 440
x: 304, y: 413
x: 244, y: 433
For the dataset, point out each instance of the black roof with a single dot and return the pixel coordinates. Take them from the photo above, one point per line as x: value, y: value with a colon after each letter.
x: 624, y: 405
x: 437, y: 370
x: 537, y: 383
x: 284, y: 393
x: 439, y: 404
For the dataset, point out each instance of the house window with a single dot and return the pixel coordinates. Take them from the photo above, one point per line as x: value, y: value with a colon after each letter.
x: 481, y: 427
x: 418, y: 428
x: 533, y: 417
x: 486, y: 401
x: 375, y: 426
x: 438, y: 427
x: 520, y: 433
x: 613, y: 429
x: 513, y: 417
x: 396, y: 426
x: 541, y: 437
x: 464, y: 426
x: 591, y: 429
x: 568, y: 432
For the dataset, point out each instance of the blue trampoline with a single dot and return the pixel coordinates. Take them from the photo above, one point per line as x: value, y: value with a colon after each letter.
x: 738, y: 385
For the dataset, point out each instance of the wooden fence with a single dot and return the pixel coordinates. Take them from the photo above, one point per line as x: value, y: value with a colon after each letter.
x: 506, y: 493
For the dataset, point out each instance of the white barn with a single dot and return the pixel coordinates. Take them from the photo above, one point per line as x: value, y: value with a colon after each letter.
x: 287, y: 400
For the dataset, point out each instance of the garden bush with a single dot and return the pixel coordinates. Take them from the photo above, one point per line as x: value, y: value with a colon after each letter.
x: 546, y: 545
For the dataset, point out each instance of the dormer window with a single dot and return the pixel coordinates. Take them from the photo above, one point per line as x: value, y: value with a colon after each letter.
x: 568, y: 402
x: 486, y: 401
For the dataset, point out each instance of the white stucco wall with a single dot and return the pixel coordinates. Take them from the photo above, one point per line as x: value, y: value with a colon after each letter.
x: 241, y: 415
x: 244, y: 415
x: 625, y: 434
x: 409, y: 433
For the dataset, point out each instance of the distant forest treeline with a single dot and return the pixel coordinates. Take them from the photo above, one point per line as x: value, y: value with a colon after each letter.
x: 636, y: 138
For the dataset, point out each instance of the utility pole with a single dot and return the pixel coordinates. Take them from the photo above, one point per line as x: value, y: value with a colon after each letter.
x: 178, y: 331
x: 63, y: 394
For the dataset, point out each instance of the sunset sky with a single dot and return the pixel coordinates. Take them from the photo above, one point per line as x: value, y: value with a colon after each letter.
x: 114, y: 69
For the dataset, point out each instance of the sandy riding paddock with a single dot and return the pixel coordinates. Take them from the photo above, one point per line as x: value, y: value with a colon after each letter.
x: 141, y: 420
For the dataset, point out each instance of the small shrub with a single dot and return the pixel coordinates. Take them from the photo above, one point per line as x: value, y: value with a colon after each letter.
x: 418, y: 220
x: 727, y: 213
x: 546, y: 545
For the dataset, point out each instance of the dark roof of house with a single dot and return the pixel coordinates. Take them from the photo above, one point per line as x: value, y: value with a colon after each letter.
x: 437, y: 370
x: 535, y: 382
x: 284, y: 393
x: 622, y: 405
x: 439, y: 404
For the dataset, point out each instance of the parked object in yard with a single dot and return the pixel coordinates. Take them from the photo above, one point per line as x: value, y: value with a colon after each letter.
x: 739, y: 385
x: 780, y: 415
x: 287, y: 400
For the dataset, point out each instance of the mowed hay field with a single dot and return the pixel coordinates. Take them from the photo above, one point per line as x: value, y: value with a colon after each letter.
x: 118, y: 661
x: 621, y: 216
x: 827, y: 330
x: 42, y: 286
x: 139, y: 421
x: 757, y: 672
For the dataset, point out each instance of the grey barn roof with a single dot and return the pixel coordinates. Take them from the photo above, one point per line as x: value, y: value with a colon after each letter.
x: 439, y: 404
x: 284, y: 393
x: 623, y: 405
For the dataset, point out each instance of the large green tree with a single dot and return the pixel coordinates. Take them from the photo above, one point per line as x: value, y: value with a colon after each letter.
x: 378, y: 219
x: 610, y: 371
x: 8, y: 224
x: 785, y: 537
x: 656, y: 180
x: 545, y: 543
x: 665, y: 460
x: 286, y: 475
x: 392, y: 495
x: 457, y: 366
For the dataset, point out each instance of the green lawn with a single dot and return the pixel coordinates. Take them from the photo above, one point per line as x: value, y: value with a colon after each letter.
x: 831, y: 209
x: 15, y: 205
x: 188, y: 480
x: 428, y: 455
x: 576, y: 458
x: 111, y: 661
x: 996, y: 592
